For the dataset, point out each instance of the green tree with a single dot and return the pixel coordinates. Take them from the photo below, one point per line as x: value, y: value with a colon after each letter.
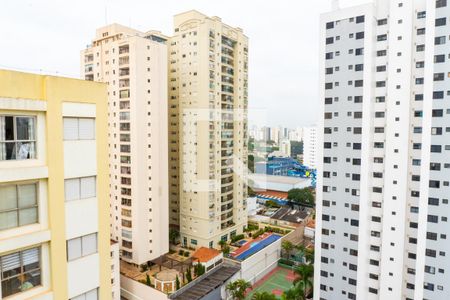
x: 173, y: 235
x: 287, y: 247
x: 294, y: 293
x: 177, y: 283
x: 237, y: 288
x: 222, y: 244
x: 251, y: 163
x: 147, y: 280
x: 188, y: 274
x: 302, y: 196
x: 304, y: 279
x: 263, y: 296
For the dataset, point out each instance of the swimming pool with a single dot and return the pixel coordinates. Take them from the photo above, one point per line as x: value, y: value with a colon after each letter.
x: 257, y: 245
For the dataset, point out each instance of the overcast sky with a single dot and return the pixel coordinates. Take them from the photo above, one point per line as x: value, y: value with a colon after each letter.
x: 48, y: 35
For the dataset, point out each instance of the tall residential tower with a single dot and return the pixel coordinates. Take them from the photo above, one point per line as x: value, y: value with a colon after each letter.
x: 383, y: 189
x: 208, y: 77
x: 134, y: 66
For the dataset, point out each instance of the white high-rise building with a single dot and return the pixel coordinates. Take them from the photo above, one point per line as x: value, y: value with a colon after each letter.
x: 310, y: 146
x: 383, y: 188
x: 134, y: 66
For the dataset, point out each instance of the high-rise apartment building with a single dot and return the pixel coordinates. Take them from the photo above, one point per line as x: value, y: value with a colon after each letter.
x: 54, y: 233
x: 310, y: 146
x: 134, y: 66
x: 383, y: 188
x: 208, y: 128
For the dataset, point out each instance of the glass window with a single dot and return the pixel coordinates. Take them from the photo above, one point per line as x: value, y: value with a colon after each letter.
x: 81, y: 246
x: 18, y: 205
x: 91, y: 295
x: 79, y: 128
x: 17, y: 138
x: 80, y: 188
x: 20, y: 271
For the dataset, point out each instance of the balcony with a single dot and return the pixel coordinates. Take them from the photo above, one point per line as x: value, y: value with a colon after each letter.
x: 227, y: 51
x: 227, y: 89
x: 227, y: 98
x: 89, y: 68
x: 89, y: 58
x: 89, y: 77
x: 227, y: 79
x: 228, y: 61
x: 124, y: 60
x: 226, y: 189
x: 124, y: 49
x: 228, y: 42
x: 124, y: 71
x: 124, y: 83
x: 227, y: 70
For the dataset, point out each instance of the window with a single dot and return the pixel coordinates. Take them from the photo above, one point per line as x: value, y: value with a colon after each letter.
x: 330, y: 25
x: 20, y: 271
x: 440, y: 58
x: 359, y: 51
x: 382, y: 22
x: 80, y: 188
x: 91, y: 295
x: 81, y: 246
x: 441, y: 3
x: 17, y: 137
x: 360, y: 19
x: 359, y: 35
x: 421, y: 14
x: 420, y: 31
x: 440, y: 40
x: 79, y: 129
x: 440, y: 22
x: 18, y: 205
x: 382, y: 37
x: 381, y: 53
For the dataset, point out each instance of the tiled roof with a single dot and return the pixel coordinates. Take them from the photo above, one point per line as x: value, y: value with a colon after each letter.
x: 204, y: 254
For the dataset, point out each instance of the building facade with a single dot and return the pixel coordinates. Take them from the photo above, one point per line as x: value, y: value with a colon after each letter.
x: 208, y: 98
x: 310, y: 147
x: 382, y: 194
x: 134, y: 66
x: 54, y: 234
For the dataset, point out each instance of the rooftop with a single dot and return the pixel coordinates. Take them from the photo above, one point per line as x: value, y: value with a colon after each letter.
x: 273, y: 194
x: 311, y: 223
x: 290, y: 215
x: 204, y: 254
x: 208, y: 284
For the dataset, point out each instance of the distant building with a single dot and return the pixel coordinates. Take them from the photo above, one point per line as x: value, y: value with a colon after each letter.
x: 285, y: 147
x: 310, y: 147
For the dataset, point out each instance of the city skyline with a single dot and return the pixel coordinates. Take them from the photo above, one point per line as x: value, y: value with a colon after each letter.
x: 34, y: 29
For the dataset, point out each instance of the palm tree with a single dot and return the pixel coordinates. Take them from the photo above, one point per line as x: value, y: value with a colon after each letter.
x: 263, y: 296
x: 237, y: 288
x: 294, y: 293
x: 303, y: 281
x: 309, y: 256
x: 287, y: 246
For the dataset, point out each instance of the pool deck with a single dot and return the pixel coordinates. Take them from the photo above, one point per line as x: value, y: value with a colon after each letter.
x: 247, y: 245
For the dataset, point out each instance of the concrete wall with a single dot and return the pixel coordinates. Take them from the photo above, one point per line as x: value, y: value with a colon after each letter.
x: 134, y: 290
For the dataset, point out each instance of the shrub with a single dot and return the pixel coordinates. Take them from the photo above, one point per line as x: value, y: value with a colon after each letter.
x: 285, y: 261
x: 237, y: 238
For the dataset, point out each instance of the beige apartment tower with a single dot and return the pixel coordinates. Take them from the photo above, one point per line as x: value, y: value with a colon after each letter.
x: 134, y: 66
x: 208, y: 98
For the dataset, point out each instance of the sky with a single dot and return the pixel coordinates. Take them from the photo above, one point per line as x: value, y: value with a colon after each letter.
x: 46, y: 36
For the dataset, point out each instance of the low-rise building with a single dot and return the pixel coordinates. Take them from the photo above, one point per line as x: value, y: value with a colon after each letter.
x: 208, y: 257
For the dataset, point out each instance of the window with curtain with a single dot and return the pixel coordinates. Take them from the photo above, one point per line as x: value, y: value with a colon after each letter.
x: 20, y: 271
x: 18, y: 205
x: 17, y: 137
